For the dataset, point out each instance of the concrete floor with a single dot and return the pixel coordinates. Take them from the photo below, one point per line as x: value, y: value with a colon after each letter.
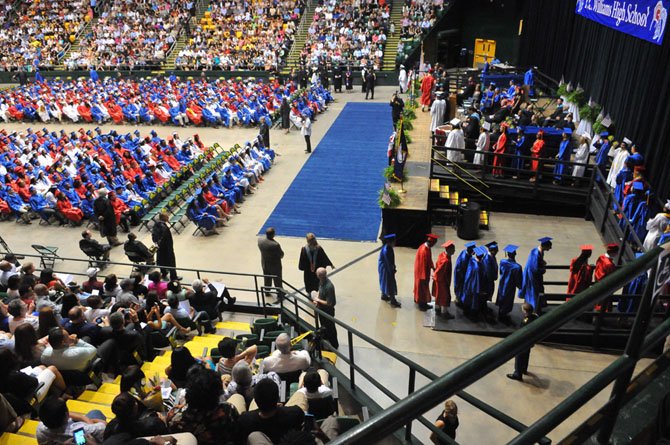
x: 556, y: 372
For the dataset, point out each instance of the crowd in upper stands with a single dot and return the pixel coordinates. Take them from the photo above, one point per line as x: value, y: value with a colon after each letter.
x: 40, y: 32
x: 347, y: 32
x: 159, y: 100
x: 131, y: 34
x: 58, y: 338
x: 418, y: 16
x: 238, y: 35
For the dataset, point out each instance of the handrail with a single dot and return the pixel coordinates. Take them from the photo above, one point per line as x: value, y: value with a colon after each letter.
x: 301, y: 297
x: 464, y: 375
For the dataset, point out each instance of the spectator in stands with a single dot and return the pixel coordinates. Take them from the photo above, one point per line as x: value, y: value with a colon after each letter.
x: 82, y: 328
x: 147, y: 392
x: 57, y: 424
x: 314, y: 384
x: 270, y: 418
x: 447, y: 422
x: 27, y: 346
x: 19, y: 312
x: 132, y: 420
x: 28, y: 277
x: 157, y: 285
x: 211, y: 421
x: 127, y: 339
x: 110, y: 287
x: 7, y: 270
x: 243, y: 382
x: 205, y: 299
x: 229, y: 356
x: 283, y: 359
x: 92, y: 283
x: 92, y: 247
x: 43, y: 299
x: 66, y: 352
x: 47, y: 319
x: 181, y: 361
x: 51, y: 281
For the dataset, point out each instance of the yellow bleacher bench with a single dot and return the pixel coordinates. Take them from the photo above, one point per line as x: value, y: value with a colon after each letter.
x: 77, y: 406
x: 17, y: 439
x: 97, y: 397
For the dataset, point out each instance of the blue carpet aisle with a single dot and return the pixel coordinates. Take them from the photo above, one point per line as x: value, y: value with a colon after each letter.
x: 343, y: 175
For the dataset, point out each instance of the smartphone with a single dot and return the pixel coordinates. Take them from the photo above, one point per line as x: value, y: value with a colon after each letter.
x: 204, y: 351
x: 309, y: 422
x: 95, y: 292
x: 79, y: 437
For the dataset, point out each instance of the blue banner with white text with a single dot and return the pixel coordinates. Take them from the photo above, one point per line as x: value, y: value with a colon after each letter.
x: 644, y: 19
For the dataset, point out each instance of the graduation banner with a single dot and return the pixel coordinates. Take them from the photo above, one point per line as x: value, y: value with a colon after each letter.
x: 644, y: 19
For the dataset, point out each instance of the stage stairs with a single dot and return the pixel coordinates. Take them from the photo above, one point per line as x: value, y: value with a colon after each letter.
x: 200, y: 19
x: 293, y: 57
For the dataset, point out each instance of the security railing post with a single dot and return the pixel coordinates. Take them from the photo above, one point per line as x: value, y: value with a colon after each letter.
x: 352, y: 371
x: 410, y: 390
x: 640, y: 325
x: 606, y: 212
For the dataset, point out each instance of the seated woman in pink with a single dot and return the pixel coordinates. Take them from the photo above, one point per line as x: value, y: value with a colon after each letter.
x: 157, y: 284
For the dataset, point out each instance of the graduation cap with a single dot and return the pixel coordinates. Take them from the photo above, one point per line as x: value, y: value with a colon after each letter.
x: 627, y: 141
x: 567, y: 130
x: 604, y: 134
x: 455, y: 122
x: 470, y: 244
x: 486, y: 126
x: 586, y: 247
x: 447, y: 243
x: 390, y: 236
x: 480, y: 251
x: 432, y: 236
x: 612, y: 247
x: 510, y: 248
x: 492, y: 245
x: 637, y: 185
x: 545, y: 239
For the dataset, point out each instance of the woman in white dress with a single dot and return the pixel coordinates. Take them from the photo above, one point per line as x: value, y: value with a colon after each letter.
x: 581, y: 156
x: 483, y: 144
x: 656, y: 226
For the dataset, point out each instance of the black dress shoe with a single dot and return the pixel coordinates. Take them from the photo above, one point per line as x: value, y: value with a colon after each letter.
x: 385, y: 298
x: 395, y: 303
x: 515, y: 377
x: 447, y: 315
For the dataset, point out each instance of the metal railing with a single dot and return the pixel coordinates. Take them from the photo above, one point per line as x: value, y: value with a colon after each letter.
x: 462, y: 376
x: 297, y: 305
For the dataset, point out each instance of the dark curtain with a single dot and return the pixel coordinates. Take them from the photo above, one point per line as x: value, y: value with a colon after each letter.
x: 628, y: 76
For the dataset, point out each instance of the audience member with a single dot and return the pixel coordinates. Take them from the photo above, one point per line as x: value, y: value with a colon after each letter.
x: 57, y: 424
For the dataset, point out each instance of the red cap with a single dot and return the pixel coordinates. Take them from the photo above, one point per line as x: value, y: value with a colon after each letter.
x: 639, y: 168
x: 447, y: 243
x: 586, y: 247
x: 612, y: 247
x: 432, y: 236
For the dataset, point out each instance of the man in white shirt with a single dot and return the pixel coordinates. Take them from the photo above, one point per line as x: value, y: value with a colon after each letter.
x: 7, y: 269
x: 283, y: 359
x: 306, y: 131
x: 66, y: 352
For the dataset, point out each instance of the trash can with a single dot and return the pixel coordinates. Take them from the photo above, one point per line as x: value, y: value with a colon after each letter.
x: 468, y: 220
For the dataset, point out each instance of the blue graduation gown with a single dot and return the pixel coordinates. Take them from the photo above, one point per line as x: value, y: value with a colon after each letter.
x: 517, y: 163
x: 386, y: 268
x: 622, y: 178
x: 490, y: 275
x: 511, y: 279
x: 601, y: 157
x: 635, y: 287
x: 460, y: 268
x: 533, y: 281
x: 639, y: 220
x: 472, y: 285
x: 564, y: 152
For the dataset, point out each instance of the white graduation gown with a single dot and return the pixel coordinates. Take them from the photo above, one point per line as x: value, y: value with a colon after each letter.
x: 617, y: 165
x: 655, y: 227
x: 437, y: 113
x: 402, y: 79
x: 455, y: 140
x: 483, y: 143
x: 581, y: 155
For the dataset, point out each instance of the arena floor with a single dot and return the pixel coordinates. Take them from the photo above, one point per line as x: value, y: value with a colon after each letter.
x: 555, y: 372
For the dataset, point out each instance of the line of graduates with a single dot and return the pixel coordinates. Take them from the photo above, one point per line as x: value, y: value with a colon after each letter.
x: 475, y: 272
x: 582, y: 275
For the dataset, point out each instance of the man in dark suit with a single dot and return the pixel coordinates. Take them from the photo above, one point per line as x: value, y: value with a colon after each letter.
x: 271, y: 255
x: 93, y: 247
x: 162, y: 238
x: 104, y: 212
x: 137, y: 251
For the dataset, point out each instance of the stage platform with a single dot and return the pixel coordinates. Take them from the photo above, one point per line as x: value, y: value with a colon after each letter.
x: 579, y: 333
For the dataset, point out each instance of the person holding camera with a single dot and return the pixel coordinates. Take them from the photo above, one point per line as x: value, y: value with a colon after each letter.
x: 397, y: 107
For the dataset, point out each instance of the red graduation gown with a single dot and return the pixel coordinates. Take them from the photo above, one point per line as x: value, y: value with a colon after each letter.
x: 442, y: 280
x: 500, y: 147
x: 604, y: 267
x: 427, y: 84
x: 423, y: 264
x: 580, y: 277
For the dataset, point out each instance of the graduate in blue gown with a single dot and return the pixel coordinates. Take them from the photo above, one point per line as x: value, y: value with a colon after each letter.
x: 491, y: 270
x: 564, y: 153
x: 511, y: 279
x: 529, y: 79
x: 473, y: 297
x: 518, y: 161
x: 533, y: 275
x: 635, y: 287
x: 460, y: 268
x: 387, y: 270
x: 625, y: 175
x: 601, y: 157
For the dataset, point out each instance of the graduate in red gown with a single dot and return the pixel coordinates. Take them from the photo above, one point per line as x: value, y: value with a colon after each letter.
x: 536, y: 152
x: 500, y: 148
x: 605, y: 266
x: 581, y: 272
x: 442, y: 280
x: 423, y: 265
x: 65, y: 207
x: 427, y: 85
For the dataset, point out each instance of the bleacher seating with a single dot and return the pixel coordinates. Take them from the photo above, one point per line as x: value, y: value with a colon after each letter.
x: 241, y: 35
x: 131, y: 34
x: 40, y: 32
